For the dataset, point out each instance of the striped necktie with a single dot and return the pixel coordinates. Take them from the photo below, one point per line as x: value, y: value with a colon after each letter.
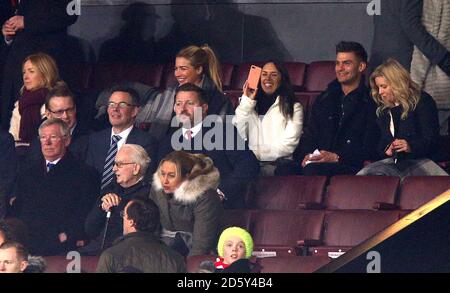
x: 108, y: 173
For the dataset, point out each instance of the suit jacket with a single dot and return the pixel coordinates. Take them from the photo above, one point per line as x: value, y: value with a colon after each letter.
x: 46, y: 23
x: 397, y: 29
x: 53, y: 202
x: 352, y: 135
x: 237, y: 166
x: 99, y: 143
x: 78, y: 146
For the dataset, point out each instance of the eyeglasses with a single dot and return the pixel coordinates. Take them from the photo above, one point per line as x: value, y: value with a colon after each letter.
x: 59, y: 113
x: 122, y: 105
x: 121, y: 164
x: 53, y: 138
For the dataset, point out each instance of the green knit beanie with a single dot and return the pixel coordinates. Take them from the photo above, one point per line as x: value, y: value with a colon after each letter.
x: 239, y: 232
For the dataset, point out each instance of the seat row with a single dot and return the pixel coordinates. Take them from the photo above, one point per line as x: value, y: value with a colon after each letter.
x: 344, y: 192
x: 310, y: 78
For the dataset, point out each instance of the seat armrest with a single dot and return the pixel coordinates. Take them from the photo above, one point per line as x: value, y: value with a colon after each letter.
x: 304, y: 245
x: 385, y: 206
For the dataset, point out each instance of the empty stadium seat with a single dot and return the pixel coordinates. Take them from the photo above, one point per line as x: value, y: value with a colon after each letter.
x: 345, y: 229
x: 107, y: 74
x: 297, y: 72
x: 418, y: 190
x: 362, y: 192
x: 281, y: 232
x: 227, y: 75
x: 318, y: 75
x: 286, y: 192
x: 236, y: 217
x: 289, y: 264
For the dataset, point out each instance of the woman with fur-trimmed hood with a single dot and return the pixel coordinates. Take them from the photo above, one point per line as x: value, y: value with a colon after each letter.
x: 184, y: 188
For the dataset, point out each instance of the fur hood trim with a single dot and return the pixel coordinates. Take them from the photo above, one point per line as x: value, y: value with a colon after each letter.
x: 191, y: 189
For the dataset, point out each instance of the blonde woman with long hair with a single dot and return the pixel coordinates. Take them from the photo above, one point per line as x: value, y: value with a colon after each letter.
x: 408, y: 122
x: 40, y: 75
x: 196, y: 65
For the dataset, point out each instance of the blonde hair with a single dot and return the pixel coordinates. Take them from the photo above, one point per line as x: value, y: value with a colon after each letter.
x: 406, y: 91
x: 46, y: 66
x: 188, y: 165
x: 205, y: 57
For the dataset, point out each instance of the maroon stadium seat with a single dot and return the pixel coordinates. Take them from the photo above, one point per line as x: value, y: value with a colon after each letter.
x: 289, y: 264
x: 318, y: 75
x: 227, y: 75
x: 239, y: 218
x: 286, y: 193
x: 417, y: 190
x: 345, y: 229
x: 281, y: 231
x: 362, y: 192
x: 296, y: 71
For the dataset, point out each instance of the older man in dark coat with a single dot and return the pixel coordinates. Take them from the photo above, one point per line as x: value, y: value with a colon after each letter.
x: 54, y: 196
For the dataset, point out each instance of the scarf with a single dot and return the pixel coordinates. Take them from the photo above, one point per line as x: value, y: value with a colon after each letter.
x: 30, y: 113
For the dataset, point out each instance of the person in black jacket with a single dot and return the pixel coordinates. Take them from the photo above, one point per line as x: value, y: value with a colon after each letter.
x: 342, y: 131
x: 130, y: 165
x: 409, y: 125
x: 53, y: 197
x: 37, y: 26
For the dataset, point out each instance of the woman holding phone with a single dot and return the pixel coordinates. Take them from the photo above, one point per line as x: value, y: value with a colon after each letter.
x: 270, y: 119
x: 408, y: 120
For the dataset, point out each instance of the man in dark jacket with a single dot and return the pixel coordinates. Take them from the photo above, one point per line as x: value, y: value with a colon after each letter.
x: 219, y: 141
x: 140, y: 249
x: 54, y: 196
x: 342, y: 132
x: 36, y: 26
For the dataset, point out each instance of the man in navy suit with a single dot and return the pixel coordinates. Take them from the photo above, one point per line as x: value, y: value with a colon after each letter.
x: 236, y: 163
x: 123, y: 107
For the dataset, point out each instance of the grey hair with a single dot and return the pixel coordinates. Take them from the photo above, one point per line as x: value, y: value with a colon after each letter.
x: 64, y: 128
x: 139, y: 156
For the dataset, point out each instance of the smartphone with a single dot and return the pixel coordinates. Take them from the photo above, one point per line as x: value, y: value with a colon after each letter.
x: 253, y: 77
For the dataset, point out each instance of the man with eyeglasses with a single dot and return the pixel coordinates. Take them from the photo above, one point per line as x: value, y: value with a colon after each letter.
x: 60, y: 103
x: 123, y: 107
x: 54, y: 195
x: 130, y: 165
